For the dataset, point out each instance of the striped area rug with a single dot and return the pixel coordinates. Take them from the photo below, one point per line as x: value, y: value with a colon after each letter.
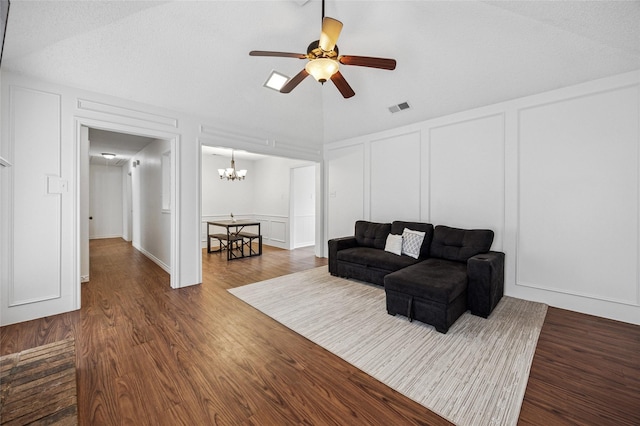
x: 476, y: 374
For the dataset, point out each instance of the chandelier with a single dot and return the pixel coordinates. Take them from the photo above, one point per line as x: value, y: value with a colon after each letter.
x: 231, y: 173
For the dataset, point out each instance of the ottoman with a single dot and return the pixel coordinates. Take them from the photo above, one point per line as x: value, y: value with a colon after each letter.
x: 433, y: 291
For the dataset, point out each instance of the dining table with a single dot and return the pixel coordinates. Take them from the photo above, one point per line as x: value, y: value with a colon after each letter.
x: 238, y: 236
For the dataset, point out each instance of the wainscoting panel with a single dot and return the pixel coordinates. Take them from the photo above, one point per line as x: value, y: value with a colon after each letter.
x: 578, y: 225
x: 278, y: 231
x: 36, y: 217
x: 467, y: 175
x: 345, y: 189
x: 395, y: 178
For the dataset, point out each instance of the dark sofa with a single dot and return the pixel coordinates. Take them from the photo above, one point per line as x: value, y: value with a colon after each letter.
x: 455, y: 270
x: 362, y: 256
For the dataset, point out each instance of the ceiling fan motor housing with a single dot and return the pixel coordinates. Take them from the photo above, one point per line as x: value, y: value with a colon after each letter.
x: 314, y: 51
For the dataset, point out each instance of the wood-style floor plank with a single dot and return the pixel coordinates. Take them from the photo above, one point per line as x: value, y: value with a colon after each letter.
x: 147, y: 354
x: 586, y: 370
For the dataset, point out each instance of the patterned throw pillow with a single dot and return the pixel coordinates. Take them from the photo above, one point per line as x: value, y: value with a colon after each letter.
x: 394, y: 244
x: 412, y: 242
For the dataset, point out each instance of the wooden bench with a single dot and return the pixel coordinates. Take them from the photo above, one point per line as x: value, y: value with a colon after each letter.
x: 225, y: 242
x: 247, y: 241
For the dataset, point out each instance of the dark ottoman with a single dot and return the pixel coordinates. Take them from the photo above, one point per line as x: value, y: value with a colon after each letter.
x: 433, y: 291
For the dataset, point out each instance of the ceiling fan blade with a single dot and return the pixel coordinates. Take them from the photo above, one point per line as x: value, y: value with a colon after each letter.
x: 342, y: 85
x: 294, y: 81
x: 366, y: 61
x: 330, y: 32
x: 279, y: 54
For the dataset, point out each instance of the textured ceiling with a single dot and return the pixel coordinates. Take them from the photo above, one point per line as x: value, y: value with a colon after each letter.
x: 123, y: 145
x: 193, y: 56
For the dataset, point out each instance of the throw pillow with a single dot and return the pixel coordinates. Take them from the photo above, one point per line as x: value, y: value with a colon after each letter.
x: 411, y: 242
x: 394, y: 244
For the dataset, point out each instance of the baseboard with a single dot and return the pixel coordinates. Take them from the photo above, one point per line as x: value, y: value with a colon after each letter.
x: 102, y: 237
x: 84, y: 278
x: 154, y: 259
x: 307, y: 244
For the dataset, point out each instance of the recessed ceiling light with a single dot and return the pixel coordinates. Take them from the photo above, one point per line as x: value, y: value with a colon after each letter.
x: 276, y: 81
x: 108, y: 155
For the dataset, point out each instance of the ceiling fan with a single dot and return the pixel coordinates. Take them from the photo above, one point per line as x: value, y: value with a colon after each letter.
x: 324, y: 59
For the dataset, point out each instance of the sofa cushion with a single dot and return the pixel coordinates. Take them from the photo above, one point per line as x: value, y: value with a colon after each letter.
x: 437, y: 280
x: 375, y: 258
x: 394, y: 244
x: 460, y: 244
x: 398, y: 226
x: 371, y: 234
x: 412, y: 242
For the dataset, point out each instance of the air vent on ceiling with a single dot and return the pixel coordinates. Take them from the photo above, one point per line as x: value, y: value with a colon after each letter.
x: 399, y: 107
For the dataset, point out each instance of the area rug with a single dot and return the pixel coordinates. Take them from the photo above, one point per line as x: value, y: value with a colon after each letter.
x: 476, y: 374
x: 38, y: 386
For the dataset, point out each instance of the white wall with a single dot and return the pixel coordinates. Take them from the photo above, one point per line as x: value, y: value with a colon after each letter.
x: 151, y: 224
x: 556, y: 176
x: 105, y: 205
x: 221, y: 197
x: 346, y: 191
x: 37, y: 209
x: 272, y: 199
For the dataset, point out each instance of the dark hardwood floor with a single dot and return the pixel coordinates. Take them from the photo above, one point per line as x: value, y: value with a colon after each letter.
x: 147, y: 354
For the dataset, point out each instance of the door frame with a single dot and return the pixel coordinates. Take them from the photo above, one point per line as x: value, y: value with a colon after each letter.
x: 174, y: 140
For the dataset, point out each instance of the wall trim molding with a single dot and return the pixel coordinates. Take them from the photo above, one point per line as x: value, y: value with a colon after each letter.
x: 578, y: 293
x: 174, y: 140
x: 542, y: 101
x: 5, y: 163
x: 104, y: 237
x: 154, y: 259
x: 109, y: 109
x: 12, y: 302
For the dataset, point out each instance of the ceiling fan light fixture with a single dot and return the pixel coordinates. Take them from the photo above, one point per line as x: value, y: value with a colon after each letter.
x: 322, y: 68
x: 330, y: 32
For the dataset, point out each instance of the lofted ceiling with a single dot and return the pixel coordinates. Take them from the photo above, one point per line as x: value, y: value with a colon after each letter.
x: 192, y: 56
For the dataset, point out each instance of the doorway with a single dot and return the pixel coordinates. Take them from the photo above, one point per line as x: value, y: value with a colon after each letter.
x: 281, y: 193
x: 126, y: 196
x: 303, y: 206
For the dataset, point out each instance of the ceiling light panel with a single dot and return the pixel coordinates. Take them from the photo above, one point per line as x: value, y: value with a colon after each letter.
x: 276, y: 80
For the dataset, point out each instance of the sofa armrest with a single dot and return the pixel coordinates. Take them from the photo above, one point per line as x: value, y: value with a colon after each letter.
x: 486, y: 282
x: 336, y: 245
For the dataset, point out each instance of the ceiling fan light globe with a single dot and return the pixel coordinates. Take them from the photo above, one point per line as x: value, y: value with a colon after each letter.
x: 322, y: 68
